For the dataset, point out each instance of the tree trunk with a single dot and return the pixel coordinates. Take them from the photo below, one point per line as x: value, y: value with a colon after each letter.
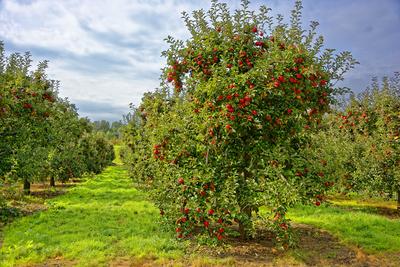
x: 245, y: 207
x: 243, y: 227
x: 398, y: 200
x: 27, y: 187
x: 52, y: 182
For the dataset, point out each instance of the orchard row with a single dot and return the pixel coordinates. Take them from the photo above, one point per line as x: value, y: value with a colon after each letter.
x: 41, y: 136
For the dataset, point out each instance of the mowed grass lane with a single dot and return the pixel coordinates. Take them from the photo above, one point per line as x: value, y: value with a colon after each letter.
x: 99, y: 221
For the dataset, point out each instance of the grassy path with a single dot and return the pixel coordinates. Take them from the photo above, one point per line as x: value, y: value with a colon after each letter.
x: 100, y: 221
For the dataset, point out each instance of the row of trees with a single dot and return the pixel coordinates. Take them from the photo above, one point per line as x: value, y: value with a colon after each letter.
x: 230, y: 127
x: 41, y: 136
x: 360, y: 141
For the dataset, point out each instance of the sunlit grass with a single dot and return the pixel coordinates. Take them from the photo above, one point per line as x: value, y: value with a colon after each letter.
x: 94, y: 223
x: 117, y: 160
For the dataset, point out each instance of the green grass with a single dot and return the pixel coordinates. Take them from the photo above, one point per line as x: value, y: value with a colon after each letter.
x: 103, y: 219
x: 373, y: 233
x: 117, y: 160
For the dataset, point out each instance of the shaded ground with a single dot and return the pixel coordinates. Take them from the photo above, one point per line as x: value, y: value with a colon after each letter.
x: 45, y: 191
x: 35, y: 201
x: 315, y: 248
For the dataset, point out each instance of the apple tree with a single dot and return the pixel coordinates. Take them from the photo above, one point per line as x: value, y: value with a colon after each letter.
x: 27, y: 101
x: 225, y: 134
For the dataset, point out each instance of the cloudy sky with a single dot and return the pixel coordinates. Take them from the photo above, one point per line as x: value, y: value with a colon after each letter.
x: 106, y: 53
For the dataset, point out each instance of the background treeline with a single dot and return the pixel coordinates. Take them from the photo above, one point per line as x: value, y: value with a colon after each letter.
x: 111, y: 130
x: 42, y: 137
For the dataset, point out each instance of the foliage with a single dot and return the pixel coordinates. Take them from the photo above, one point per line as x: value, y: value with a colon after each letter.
x: 97, y: 152
x: 225, y: 133
x: 27, y: 100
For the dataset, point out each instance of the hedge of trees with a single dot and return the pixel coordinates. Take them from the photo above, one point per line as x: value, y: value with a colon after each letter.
x: 360, y: 142
x: 228, y: 130
x: 42, y: 137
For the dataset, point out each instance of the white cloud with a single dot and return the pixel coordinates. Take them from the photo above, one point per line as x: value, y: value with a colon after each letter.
x: 105, y: 51
x: 47, y: 24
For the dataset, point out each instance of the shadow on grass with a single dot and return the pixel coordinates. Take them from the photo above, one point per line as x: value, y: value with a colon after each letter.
x: 46, y: 194
x: 315, y: 248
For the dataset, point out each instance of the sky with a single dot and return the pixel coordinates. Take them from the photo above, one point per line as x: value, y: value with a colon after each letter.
x: 107, y: 53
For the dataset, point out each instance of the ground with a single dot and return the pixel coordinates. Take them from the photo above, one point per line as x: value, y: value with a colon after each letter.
x: 105, y: 221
